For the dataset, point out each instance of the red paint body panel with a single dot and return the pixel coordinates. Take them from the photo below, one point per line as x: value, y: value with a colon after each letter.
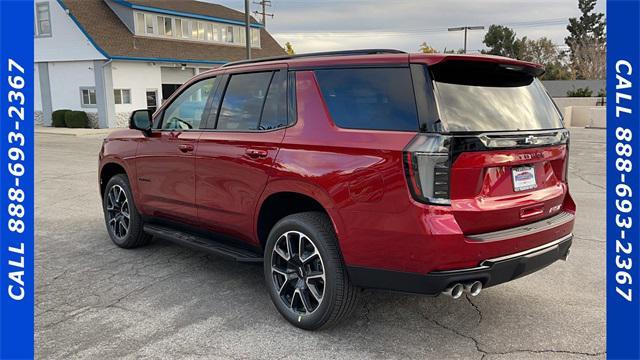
x: 166, y: 175
x: 120, y: 147
x: 341, y: 162
x: 482, y: 187
x: 357, y: 176
x: 230, y: 179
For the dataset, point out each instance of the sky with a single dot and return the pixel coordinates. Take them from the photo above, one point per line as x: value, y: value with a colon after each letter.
x: 326, y: 25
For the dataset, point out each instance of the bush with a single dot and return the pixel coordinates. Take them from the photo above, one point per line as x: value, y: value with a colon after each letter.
x: 76, y: 119
x: 580, y: 92
x: 57, y: 118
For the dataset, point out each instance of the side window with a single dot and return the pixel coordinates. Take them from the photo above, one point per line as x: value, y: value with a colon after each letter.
x: 274, y: 113
x: 88, y: 97
x: 243, y: 101
x: 187, y: 110
x: 43, y: 19
x: 375, y: 98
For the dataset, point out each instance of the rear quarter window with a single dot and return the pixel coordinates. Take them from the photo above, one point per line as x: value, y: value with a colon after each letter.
x: 372, y: 98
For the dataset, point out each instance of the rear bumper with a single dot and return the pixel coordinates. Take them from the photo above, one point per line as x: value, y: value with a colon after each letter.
x: 490, y: 272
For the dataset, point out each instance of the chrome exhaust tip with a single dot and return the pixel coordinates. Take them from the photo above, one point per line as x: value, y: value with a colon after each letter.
x: 566, y: 255
x: 455, y: 291
x: 473, y: 288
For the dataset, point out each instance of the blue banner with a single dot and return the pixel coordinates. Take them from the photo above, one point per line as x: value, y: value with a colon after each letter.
x: 16, y: 180
x: 623, y: 180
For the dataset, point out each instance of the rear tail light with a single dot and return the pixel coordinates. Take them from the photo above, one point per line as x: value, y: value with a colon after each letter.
x: 427, y: 162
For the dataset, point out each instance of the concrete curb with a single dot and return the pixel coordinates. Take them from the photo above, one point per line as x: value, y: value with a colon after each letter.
x: 73, y: 132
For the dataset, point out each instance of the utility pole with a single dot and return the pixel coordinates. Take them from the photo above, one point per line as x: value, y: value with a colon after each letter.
x: 465, y: 28
x: 247, y: 28
x: 265, y: 4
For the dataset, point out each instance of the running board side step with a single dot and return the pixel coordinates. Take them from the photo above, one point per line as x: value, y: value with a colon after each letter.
x: 201, y: 243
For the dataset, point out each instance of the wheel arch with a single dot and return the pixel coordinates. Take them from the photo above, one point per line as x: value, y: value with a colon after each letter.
x: 108, y: 170
x: 287, y: 198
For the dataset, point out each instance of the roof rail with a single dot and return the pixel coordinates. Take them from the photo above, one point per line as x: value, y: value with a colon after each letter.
x: 327, y: 53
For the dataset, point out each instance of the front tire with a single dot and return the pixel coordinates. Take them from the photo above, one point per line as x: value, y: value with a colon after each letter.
x: 123, y: 221
x: 306, y: 277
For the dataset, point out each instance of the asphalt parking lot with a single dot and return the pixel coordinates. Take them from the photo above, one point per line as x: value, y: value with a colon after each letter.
x: 97, y: 301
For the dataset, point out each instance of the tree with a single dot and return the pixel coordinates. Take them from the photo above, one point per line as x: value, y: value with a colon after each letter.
x: 580, y: 92
x: 502, y: 41
x: 288, y: 48
x: 587, y: 42
x: 426, y: 49
x: 556, y: 71
x: 543, y: 51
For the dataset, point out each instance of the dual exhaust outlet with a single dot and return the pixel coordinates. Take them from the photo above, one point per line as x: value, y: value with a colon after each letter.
x: 455, y: 291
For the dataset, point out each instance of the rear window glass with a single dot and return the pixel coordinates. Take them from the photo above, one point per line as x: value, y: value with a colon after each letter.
x: 375, y: 99
x: 243, y: 101
x: 489, y: 97
x: 274, y: 112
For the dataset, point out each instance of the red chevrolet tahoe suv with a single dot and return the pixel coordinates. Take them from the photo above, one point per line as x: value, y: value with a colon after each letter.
x: 426, y: 174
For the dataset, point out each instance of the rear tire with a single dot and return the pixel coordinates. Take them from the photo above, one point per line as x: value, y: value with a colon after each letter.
x: 123, y: 221
x: 304, y: 272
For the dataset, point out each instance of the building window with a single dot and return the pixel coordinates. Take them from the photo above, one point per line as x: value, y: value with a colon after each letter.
x: 168, y: 28
x: 148, y: 21
x: 209, y: 32
x: 122, y: 96
x: 185, y: 29
x: 255, y: 37
x: 241, y: 37
x: 43, y: 19
x: 165, y: 26
x: 88, y: 97
x: 200, y: 30
x: 229, y: 34
x: 179, y: 28
x: 152, y: 99
x: 160, y: 20
x: 139, y: 23
x: 194, y: 29
x: 217, y: 32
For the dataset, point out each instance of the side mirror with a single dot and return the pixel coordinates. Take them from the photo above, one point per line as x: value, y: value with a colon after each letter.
x: 141, y: 120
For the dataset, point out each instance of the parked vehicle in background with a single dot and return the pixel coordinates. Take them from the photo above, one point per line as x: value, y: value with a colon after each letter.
x: 425, y: 173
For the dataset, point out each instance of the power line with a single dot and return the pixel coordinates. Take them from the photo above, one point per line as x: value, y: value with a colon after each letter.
x: 265, y: 4
x: 408, y: 31
x: 465, y: 29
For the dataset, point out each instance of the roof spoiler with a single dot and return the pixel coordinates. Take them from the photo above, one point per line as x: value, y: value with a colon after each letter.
x: 525, y: 67
x: 533, y: 71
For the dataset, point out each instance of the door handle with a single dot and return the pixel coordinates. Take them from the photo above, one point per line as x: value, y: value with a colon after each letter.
x: 256, y: 153
x: 185, y: 147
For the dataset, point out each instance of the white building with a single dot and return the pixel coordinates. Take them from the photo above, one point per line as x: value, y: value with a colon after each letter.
x: 110, y: 57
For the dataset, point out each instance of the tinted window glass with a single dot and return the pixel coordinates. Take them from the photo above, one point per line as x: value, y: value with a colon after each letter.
x: 489, y: 97
x: 243, y: 101
x: 292, y: 111
x: 274, y: 114
x: 379, y: 98
x: 187, y: 110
